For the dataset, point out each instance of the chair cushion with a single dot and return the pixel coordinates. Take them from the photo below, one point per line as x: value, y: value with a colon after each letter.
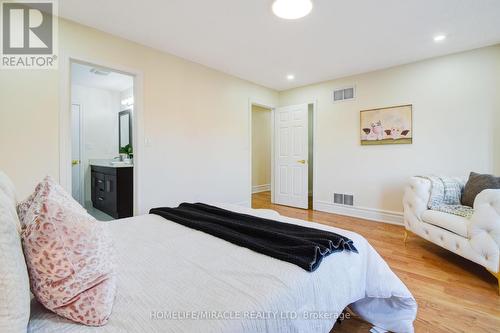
x: 14, y: 283
x: 450, y: 222
x: 69, y: 257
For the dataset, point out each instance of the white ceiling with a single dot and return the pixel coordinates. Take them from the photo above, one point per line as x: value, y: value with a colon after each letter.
x: 339, y: 37
x: 80, y: 74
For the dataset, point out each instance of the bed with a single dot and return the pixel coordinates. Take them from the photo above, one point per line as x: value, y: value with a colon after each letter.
x: 175, y: 279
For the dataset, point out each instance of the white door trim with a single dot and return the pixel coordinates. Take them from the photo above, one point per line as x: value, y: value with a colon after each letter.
x: 65, y: 120
x: 82, y: 154
x: 315, y: 151
x: 252, y: 102
x: 314, y: 103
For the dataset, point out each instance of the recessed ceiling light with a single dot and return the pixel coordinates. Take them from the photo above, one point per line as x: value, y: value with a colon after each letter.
x: 292, y: 9
x: 439, y: 38
x: 290, y: 77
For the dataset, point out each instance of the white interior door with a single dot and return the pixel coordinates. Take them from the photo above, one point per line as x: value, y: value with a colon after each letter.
x: 290, y: 156
x: 76, y: 165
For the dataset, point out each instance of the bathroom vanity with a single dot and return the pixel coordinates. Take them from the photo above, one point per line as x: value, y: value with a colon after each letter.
x: 112, y: 187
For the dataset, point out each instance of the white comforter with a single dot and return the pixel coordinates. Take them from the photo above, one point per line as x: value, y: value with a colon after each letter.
x: 167, y: 272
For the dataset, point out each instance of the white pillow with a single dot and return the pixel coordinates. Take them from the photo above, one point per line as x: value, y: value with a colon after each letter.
x: 7, y: 187
x: 14, y: 283
x: 9, y: 190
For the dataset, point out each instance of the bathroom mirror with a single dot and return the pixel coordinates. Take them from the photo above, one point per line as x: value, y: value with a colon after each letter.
x: 124, y: 128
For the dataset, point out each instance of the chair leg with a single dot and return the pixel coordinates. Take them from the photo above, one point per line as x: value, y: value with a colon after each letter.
x: 405, y: 236
x: 497, y: 275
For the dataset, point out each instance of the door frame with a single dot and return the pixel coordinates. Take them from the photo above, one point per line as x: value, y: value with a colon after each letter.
x: 65, y: 120
x: 82, y: 155
x: 273, y: 108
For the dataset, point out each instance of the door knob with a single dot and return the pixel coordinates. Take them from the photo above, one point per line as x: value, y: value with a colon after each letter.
x: 75, y: 162
x: 302, y: 161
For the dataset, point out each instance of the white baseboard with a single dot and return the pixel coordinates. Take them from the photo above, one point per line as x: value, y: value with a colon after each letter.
x: 261, y: 188
x: 361, y: 212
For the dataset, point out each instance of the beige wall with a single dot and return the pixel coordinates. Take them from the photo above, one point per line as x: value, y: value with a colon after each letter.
x: 29, y: 133
x: 261, y: 146
x: 497, y: 122
x: 194, y: 118
x: 456, y: 104
x: 497, y: 141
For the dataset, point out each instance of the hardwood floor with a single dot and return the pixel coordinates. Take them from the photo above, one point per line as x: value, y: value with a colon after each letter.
x: 453, y: 294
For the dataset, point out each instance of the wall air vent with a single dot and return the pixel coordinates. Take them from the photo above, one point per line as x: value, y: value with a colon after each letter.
x: 98, y: 71
x: 344, y: 94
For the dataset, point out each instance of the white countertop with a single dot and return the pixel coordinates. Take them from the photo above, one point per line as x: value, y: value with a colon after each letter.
x: 107, y: 164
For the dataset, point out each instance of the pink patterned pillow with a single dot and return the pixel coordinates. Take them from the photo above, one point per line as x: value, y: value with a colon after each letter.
x: 25, y: 214
x: 68, y: 254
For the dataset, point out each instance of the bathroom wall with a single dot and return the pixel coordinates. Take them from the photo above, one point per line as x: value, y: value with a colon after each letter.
x: 99, y: 109
x: 127, y: 96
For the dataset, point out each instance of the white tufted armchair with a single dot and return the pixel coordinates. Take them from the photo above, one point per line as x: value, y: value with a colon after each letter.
x: 477, y: 239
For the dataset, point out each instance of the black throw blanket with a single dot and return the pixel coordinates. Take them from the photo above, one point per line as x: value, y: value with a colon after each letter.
x: 302, y: 246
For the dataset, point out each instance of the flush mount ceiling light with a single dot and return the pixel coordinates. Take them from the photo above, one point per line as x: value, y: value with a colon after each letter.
x: 439, y: 38
x: 290, y: 77
x: 292, y: 9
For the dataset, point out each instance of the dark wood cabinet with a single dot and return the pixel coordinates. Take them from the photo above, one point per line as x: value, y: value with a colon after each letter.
x: 113, y: 190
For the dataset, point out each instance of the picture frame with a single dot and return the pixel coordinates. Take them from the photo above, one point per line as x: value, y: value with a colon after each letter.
x: 387, y: 126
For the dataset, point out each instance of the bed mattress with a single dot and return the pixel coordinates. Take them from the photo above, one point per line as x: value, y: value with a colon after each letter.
x: 175, y: 279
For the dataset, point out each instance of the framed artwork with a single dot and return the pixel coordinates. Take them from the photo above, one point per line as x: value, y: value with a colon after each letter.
x: 387, y: 126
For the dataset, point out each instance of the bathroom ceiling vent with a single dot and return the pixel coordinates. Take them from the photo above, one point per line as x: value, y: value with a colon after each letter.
x: 98, y: 71
x: 344, y: 94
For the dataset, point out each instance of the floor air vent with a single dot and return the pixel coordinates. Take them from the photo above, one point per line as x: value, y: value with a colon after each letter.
x: 343, y: 199
x: 338, y: 198
x: 348, y: 200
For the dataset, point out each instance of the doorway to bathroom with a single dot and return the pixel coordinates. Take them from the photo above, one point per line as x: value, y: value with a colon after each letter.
x: 102, y: 149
